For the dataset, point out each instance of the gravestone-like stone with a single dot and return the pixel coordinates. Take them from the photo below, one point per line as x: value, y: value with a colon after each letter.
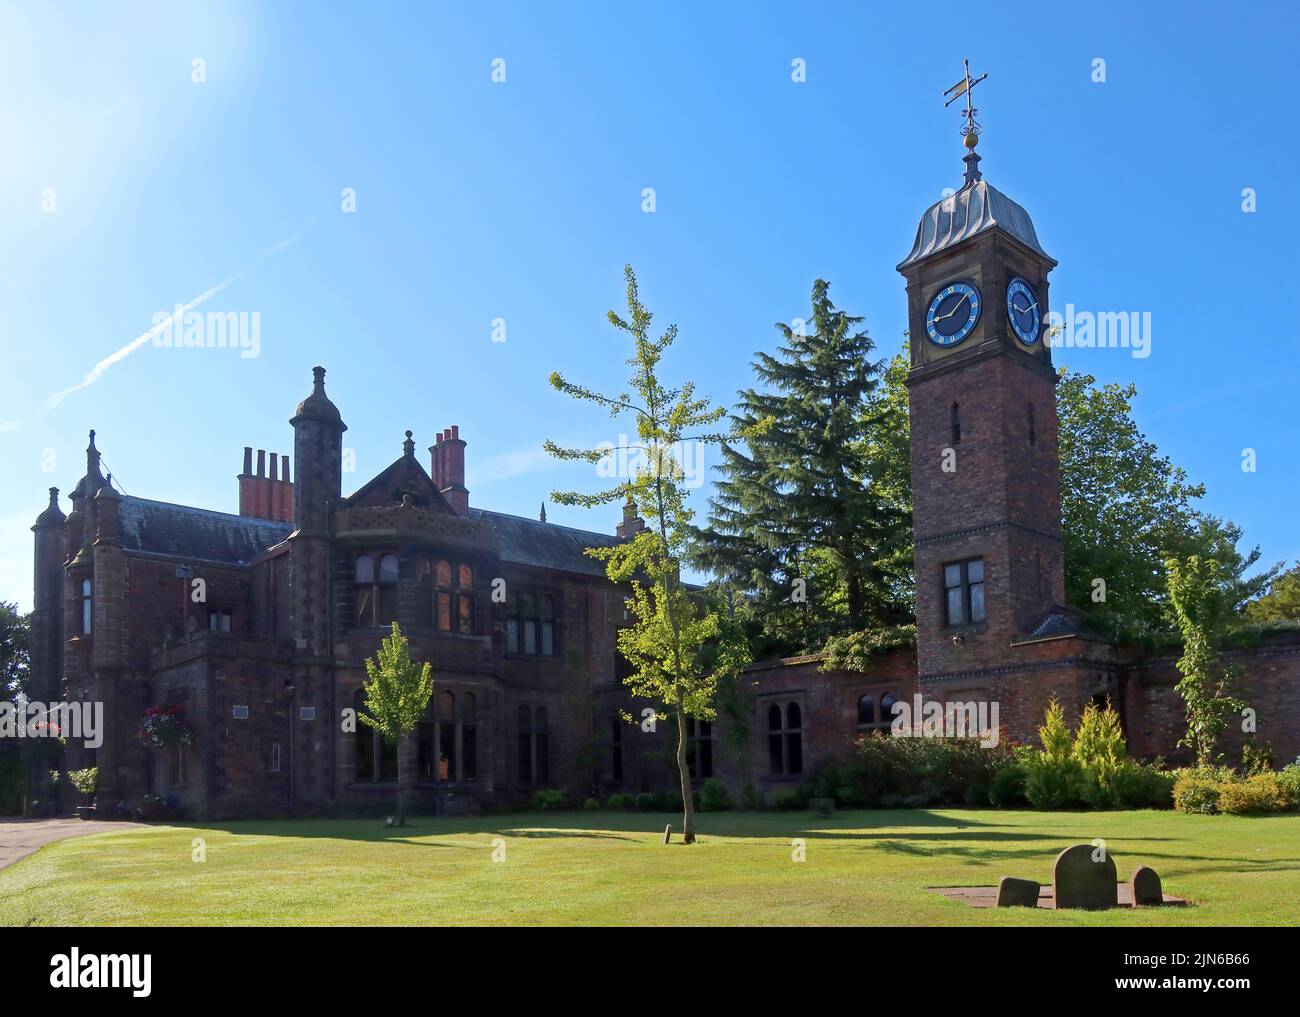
x: 1146, y: 887
x: 1017, y: 893
x: 1079, y: 881
x: 668, y: 833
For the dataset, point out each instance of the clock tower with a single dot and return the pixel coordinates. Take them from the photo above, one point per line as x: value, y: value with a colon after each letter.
x: 984, y: 455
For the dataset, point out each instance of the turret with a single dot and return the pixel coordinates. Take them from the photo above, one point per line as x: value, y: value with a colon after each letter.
x: 47, y: 613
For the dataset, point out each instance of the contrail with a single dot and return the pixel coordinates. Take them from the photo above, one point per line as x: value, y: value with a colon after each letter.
x: 94, y: 374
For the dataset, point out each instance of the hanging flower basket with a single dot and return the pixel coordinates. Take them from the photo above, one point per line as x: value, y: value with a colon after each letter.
x: 165, y: 727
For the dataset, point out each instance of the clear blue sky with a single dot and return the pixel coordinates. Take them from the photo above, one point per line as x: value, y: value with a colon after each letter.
x: 522, y: 201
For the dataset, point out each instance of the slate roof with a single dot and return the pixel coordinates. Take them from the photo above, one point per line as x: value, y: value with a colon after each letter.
x: 164, y: 528
x: 977, y: 207
x: 546, y: 545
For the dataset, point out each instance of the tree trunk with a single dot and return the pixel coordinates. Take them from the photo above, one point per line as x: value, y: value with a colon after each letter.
x: 688, y: 805
x: 401, y: 813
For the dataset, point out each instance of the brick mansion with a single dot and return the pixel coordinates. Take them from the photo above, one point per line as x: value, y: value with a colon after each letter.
x: 302, y: 583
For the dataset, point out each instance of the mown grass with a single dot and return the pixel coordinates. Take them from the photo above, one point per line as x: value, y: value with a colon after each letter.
x: 865, y: 867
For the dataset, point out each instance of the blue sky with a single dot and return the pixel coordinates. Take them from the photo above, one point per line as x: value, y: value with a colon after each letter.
x: 522, y: 200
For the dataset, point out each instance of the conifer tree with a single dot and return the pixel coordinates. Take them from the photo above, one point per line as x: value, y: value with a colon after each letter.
x: 811, y: 515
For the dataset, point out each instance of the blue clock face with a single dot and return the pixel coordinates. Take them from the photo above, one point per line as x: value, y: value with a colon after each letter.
x: 953, y: 314
x: 1023, y: 311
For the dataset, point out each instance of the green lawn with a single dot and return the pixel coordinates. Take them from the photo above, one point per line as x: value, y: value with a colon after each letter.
x: 868, y: 867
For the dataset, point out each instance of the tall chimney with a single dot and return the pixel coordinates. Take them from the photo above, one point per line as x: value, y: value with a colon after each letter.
x: 266, y: 494
x: 453, y: 470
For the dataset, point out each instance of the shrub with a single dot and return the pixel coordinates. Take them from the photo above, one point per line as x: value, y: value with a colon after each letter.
x: 1261, y: 792
x: 646, y: 802
x: 84, y: 780
x: 1256, y: 756
x: 1008, y: 785
x: 752, y: 798
x: 790, y: 798
x: 1290, y: 778
x: 548, y: 798
x: 614, y: 801
x: 714, y: 796
x: 670, y: 801
x: 590, y: 805
x: 1147, y: 786
x: 1196, y: 791
x: 1054, y: 777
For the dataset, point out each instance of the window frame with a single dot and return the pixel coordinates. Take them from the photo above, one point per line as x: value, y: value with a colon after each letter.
x: 964, y: 588
x: 786, y: 736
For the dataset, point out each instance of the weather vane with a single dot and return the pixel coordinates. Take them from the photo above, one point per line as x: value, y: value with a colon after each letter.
x: 970, y: 129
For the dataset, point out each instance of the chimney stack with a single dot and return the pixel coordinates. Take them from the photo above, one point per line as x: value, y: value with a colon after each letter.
x: 263, y: 494
x: 448, y: 468
x: 632, y: 523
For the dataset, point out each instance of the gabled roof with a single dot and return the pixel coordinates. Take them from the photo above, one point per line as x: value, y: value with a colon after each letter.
x: 163, y: 528
x: 405, y: 476
x: 546, y: 545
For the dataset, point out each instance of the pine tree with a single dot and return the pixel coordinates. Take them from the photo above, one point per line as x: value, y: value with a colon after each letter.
x: 810, y: 517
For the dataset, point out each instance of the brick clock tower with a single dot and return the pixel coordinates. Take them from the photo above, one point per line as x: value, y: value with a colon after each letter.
x: 984, y: 456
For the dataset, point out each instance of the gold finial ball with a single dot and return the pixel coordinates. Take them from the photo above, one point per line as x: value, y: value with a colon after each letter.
x: 972, y: 140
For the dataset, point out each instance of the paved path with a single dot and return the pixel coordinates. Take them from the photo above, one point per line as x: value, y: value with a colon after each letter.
x: 20, y: 837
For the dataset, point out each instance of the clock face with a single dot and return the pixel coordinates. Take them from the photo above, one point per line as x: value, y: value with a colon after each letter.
x: 1023, y: 311
x: 953, y: 314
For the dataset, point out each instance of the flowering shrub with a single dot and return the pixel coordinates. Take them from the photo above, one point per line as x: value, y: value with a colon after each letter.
x: 164, y: 727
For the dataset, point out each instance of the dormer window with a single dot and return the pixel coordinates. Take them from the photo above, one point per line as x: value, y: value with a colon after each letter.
x: 376, y: 589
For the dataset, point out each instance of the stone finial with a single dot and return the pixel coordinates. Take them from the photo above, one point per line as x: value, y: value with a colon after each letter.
x: 408, y: 446
x: 541, y: 516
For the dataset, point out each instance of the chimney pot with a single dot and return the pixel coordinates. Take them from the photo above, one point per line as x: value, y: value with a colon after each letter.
x: 261, y: 462
x: 248, y: 461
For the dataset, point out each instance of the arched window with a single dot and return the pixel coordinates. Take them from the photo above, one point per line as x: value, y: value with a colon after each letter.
x: 866, y: 714
x: 374, y: 757
x: 465, y: 600
x: 87, y: 608
x: 455, y: 598
x: 956, y: 423
x: 699, y: 749
x: 448, y: 744
x: 870, y: 719
x: 784, y: 739
x: 887, y: 702
x: 376, y: 589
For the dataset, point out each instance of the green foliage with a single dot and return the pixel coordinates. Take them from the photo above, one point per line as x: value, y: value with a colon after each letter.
x: 1202, y: 596
x: 1007, y: 788
x: 85, y: 780
x: 815, y: 487
x: 1256, y: 756
x: 1282, y: 601
x: 750, y: 797
x: 1054, y: 778
x: 11, y: 786
x: 1099, y: 748
x: 790, y: 799
x: 890, y: 772
x: 397, y: 693
x: 549, y: 798
x: 714, y: 796
x: 590, y: 805
x: 1196, y: 791
x: 617, y: 801
x: 646, y: 802
x: 856, y: 651
x: 15, y: 650
x: 678, y: 647
x: 1216, y: 789
x: 1126, y: 510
